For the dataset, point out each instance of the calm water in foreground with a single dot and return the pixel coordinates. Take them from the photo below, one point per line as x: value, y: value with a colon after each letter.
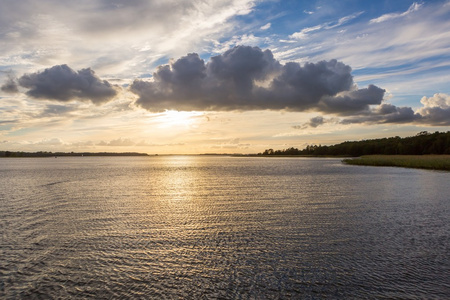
x: 221, y: 227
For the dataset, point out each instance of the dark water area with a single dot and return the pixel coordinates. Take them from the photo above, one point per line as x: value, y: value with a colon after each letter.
x: 221, y: 228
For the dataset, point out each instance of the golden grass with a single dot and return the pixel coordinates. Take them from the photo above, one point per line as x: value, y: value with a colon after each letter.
x: 432, y: 162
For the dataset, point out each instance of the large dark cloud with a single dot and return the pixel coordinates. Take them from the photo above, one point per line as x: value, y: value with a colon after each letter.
x: 64, y: 84
x: 248, y: 78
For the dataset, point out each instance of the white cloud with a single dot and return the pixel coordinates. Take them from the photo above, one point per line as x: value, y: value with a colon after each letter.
x: 51, y: 142
x: 246, y: 39
x: 120, y: 142
x: 265, y: 27
x: 344, y: 20
x: 414, y: 7
x: 438, y: 100
x: 410, y: 58
x: 110, y: 36
x: 304, y: 33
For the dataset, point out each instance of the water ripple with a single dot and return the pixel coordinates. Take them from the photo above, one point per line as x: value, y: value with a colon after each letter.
x: 221, y: 228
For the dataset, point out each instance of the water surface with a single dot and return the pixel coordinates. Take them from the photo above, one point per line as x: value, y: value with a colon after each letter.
x: 221, y: 227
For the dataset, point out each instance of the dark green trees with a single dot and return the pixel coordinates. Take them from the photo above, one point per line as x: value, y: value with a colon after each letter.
x: 422, y: 143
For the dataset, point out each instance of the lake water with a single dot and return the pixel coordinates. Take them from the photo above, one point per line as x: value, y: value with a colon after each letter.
x: 209, y: 227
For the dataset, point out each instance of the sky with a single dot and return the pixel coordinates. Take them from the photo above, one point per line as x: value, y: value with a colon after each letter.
x: 219, y: 76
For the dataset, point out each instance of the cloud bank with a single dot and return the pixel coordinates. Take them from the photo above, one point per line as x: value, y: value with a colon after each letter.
x: 63, y: 84
x: 248, y: 78
x: 243, y: 78
x: 435, y: 112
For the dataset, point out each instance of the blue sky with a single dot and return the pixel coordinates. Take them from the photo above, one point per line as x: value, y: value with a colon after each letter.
x: 219, y: 76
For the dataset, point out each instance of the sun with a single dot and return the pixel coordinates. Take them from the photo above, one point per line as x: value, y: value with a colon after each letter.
x: 174, y: 118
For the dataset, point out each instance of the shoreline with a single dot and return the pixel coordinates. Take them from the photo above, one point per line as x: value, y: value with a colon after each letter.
x: 427, y: 162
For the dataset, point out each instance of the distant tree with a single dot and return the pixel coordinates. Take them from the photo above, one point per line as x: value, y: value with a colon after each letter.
x: 422, y: 143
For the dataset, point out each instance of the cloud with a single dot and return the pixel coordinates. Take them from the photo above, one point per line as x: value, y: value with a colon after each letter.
x: 343, y: 20
x: 304, y: 33
x: 436, y: 110
x: 50, y: 142
x: 56, y: 110
x: 234, y: 143
x: 313, y: 122
x: 110, y: 35
x: 248, y: 78
x: 147, y: 144
x: 64, y: 84
x: 353, y: 101
x: 438, y: 100
x: 118, y: 143
x: 414, y: 7
x: 316, y: 122
x: 384, y: 114
x: 417, y: 44
x: 265, y: 27
x: 10, y: 86
x: 61, y: 83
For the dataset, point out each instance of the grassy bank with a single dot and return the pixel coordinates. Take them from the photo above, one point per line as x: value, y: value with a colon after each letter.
x: 432, y: 162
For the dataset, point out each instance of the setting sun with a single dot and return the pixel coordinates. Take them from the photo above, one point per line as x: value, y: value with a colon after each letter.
x: 173, y: 118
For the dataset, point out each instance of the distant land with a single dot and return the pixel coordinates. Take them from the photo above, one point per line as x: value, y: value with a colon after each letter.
x: 431, y: 162
x: 56, y: 154
x: 421, y: 144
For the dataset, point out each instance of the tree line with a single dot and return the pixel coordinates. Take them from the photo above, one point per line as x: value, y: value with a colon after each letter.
x: 420, y: 144
x: 56, y: 154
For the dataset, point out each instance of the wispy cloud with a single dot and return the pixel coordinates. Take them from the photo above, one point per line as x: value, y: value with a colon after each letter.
x: 120, y: 142
x: 110, y: 36
x: 414, y: 7
x: 265, y: 27
x: 303, y: 34
x: 410, y: 57
x: 343, y: 20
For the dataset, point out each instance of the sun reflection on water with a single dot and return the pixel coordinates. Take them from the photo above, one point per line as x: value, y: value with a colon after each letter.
x: 194, y: 227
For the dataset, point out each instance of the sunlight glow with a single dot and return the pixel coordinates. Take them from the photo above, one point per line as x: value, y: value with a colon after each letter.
x: 173, y: 118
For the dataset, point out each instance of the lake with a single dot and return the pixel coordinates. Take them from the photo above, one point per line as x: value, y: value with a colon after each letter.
x: 216, y: 227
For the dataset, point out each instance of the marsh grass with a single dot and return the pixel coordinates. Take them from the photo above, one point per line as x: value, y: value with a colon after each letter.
x: 432, y: 162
